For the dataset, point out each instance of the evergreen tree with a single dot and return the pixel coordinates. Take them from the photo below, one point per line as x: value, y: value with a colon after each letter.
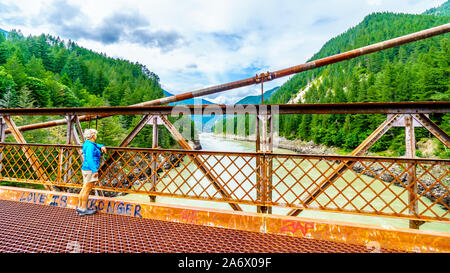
x: 4, y: 52
x: 6, y: 81
x: 39, y: 91
x: 15, y: 68
x: 35, y: 68
x: 72, y: 67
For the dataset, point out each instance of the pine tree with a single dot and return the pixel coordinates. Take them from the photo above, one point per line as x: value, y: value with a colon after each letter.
x: 6, y: 81
x: 35, y: 68
x: 4, y: 52
x: 15, y: 68
x: 38, y: 91
x: 72, y: 67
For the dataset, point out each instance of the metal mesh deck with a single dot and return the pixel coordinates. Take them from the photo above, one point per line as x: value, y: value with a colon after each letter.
x: 28, y: 227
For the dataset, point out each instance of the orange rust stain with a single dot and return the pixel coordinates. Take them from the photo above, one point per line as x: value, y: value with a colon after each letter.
x: 395, y: 238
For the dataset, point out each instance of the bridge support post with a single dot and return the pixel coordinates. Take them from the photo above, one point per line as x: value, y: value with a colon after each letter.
x: 69, y: 138
x: 79, y: 129
x: 2, y: 129
x: 259, y: 180
x: 410, y: 143
x: 270, y: 162
x: 2, y: 139
x: 154, y: 165
x: 145, y: 119
x: 77, y: 134
x: 265, y: 163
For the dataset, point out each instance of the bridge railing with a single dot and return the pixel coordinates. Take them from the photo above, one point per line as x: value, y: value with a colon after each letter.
x: 416, y: 189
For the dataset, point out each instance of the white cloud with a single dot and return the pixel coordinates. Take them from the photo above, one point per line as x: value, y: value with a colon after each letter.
x: 193, y: 44
x: 374, y: 2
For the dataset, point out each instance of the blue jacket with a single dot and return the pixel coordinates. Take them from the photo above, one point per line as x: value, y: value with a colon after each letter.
x: 91, y: 153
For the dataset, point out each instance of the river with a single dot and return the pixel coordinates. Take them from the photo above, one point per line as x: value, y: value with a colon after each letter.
x: 210, y: 142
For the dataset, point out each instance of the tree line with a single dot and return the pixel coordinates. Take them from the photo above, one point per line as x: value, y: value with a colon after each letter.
x: 45, y: 71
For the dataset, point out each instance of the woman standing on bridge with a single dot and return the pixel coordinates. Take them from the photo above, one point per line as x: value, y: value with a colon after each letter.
x: 89, y: 169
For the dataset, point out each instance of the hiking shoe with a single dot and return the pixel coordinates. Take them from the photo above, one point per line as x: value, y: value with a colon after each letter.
x: 85, y: 212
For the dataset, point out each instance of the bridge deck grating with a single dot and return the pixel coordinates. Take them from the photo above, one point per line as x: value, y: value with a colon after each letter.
x: 36, y: 228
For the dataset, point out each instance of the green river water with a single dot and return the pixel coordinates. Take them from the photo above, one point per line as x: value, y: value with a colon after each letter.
x: 210, y: 142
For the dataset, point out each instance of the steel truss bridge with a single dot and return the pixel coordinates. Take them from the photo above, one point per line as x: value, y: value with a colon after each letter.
x: 411, y: 188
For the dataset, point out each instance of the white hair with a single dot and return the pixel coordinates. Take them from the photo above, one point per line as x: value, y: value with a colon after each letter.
x: 89, y: 133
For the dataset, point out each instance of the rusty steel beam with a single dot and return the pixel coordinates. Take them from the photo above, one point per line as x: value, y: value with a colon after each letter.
x: 423, y: 107
x: 145, y: 119
x: 154, y: 177
x: 410, y: 143
x: 80, y: 130
x: 269, y: 76
x: 2, y: 129
x: 433, y: 128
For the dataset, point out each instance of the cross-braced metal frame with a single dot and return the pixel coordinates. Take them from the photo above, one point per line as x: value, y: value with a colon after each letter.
x: 262, y: 178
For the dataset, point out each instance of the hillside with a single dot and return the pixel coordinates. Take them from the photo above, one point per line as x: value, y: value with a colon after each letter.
x: 417, y: 71
x: 443, y: 9
x: 5, y: 33
x: 257, y: 99
x: 205, y: 123
x: 193, y: 101
x: 44, y: 71
x: 199, y: 120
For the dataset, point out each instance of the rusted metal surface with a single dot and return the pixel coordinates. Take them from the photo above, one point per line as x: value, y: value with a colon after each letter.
x: 424, y: 107
x: 433, y: 128
x: 145, y: 119
x: 315, y: 235
x: 410, y: 141
x: 370, y: 186
x: 61, y: 230
x: 320, y: 108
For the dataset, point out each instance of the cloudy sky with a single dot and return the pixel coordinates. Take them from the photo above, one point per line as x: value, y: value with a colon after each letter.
x: 193, y: 44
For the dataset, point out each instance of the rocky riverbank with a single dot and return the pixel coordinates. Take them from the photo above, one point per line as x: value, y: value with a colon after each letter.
x: 387, y: 172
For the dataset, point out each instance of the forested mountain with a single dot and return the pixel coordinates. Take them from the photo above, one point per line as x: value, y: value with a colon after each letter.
x: 44, y: 71
x: 257, y: 99
x: 197, y: 121
x: 418, y: 71
x: 443, y: 9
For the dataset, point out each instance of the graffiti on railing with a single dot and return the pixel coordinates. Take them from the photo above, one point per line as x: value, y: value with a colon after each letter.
x: 115, y: 207
x: 296, y: 227
x: 365, y: 185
